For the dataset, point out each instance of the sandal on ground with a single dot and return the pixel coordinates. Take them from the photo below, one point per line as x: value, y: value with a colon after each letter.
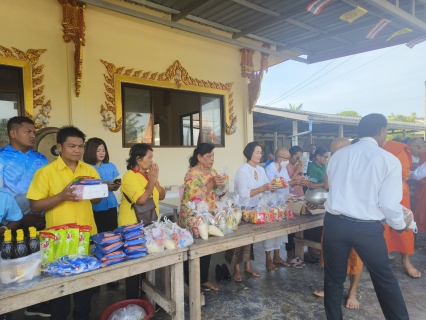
x: 298, y: 261
x: 297, y: 265
x: 208, y: 286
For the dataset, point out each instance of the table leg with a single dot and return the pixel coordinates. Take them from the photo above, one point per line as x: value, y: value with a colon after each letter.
x: 150, y: 276
x: 177, y: 292
x: 194, y: 289
x: 299, y: 248
x: 175, y: 215
x: 166, y: 281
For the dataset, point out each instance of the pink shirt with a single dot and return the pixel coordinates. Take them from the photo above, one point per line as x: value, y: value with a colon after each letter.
x: 297, y: 190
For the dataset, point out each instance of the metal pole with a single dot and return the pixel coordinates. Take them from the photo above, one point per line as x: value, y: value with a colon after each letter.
x: 295, y: 140
x: 275, y: 141
x: 404, y: 134
x: 340, y: 130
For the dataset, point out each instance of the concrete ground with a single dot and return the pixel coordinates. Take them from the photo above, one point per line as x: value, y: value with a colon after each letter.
x: 285, y: 293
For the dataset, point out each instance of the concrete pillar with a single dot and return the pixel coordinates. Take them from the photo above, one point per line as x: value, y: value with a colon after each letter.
x: 275, y: 141
x: 341, y: 130
x: 295, y: 142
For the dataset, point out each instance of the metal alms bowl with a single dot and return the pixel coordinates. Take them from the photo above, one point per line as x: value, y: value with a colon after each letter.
x: 316, y: 196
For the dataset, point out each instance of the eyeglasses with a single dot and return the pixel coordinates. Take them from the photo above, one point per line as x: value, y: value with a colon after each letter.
x: 288, y: 158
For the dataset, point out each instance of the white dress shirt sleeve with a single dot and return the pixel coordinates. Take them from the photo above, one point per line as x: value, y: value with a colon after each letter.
x: 419, y: 173
x: 270, y: 171
x: 390, y: 196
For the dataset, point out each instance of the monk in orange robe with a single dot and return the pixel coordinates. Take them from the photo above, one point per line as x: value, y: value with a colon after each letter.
x: 402, y: 242
x: 418, y: 149
x: 355, y: 263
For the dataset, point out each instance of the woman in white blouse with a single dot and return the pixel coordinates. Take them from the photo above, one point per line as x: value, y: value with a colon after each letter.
x: 250, y: 182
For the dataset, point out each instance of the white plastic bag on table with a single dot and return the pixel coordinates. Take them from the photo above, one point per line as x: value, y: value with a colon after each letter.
x: 130, y: 312
x: 182, y: 236
x: 223, y: 189
x: 21, y: 273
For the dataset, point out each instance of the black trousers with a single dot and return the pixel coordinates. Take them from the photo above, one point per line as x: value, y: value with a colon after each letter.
x: 106, y: 220
x: 340, y: 235
x: 60, y: 307
x: 204, y: 269
x: 133, y: 286
x: 290, y: 245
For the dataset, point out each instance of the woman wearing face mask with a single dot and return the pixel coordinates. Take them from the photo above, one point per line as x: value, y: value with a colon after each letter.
x: 279, y: 169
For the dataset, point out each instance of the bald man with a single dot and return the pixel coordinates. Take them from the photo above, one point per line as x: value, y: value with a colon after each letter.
x: 354, y: 262
x: 418, y: 149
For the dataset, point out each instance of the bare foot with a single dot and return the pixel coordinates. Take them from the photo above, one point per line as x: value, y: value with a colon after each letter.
x: 270, y: 265
x: 319, y: 293
x: 209, y: 285
x: 352, y: 302
x: 252, y: 272
x: 412, y: 272
x: 282, y: 262
x: 237, y: 276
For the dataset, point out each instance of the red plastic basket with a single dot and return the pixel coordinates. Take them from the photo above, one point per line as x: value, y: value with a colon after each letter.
x: 148, y: 307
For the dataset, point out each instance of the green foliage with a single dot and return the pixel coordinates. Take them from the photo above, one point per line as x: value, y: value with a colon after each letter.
x: 132, y: 127
x: 4, y: 137
x: 294, y: 107
x: 349, y: 113
x: 400, y: 117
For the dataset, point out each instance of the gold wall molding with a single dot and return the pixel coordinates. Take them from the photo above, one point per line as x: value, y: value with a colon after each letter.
x: 32, y: 81
x: 255, y: 77
x: 174, y: 77
x: 74, y: 28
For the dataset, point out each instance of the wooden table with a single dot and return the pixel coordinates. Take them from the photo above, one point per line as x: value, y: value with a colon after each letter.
x: 53, y: 287
x: 173, y: 203
x: 246, y: 234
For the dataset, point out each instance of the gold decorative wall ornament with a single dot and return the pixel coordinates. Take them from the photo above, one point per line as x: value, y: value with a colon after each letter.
x: 32, y: 80
x: 255, y: 77
x: 174, y: 77
x: 74, y: 28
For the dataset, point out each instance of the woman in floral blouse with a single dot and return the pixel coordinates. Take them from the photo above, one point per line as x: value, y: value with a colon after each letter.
x: 201, y: 182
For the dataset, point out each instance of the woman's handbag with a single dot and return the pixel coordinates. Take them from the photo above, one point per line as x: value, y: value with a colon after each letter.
x: 145, y: 213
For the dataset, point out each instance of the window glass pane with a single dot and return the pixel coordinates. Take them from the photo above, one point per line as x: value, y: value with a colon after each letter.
x: 211, y: 120
x: 8, y: 109
x: 10, y: 77
x: 138, y: 119
x: 157, y: 134
x: 186, y: 131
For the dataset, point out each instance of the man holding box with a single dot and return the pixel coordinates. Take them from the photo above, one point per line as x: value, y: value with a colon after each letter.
x: 51, y: 191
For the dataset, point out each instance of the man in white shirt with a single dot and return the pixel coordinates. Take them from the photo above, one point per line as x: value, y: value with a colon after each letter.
x: 365, y: 184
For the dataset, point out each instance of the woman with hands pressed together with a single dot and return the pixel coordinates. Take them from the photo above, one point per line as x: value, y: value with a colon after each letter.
x: 250, y: 182
x: 201, y: 182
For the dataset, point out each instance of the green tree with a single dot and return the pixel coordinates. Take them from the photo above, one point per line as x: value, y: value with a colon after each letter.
x: 294, y: 107
x: 400, y: 117
x: 4, y: 137
x: 132, y: 126
x: 349, y: 113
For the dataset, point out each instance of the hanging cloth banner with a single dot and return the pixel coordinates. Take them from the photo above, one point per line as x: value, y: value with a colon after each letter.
x: 379, y: 27
x: 400, y: 32
x: 316, y: 6
x: 414, y: 42
x: 353, y: 15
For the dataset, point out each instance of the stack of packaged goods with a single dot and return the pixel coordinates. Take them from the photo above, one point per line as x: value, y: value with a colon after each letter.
x: 63, y: 240
x: 124, y: 243
x: 20, y: 260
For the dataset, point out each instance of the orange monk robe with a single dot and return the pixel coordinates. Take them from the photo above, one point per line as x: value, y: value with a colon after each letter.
x: 401, y: 242
x: 420, y: 200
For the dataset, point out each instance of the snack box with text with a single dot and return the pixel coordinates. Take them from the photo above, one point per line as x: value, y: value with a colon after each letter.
x: 87, y: 192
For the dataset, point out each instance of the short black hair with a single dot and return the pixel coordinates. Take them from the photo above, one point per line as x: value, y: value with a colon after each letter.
x: 17, y: 121
x: 295, y: 149
x: 69, y: 131
x: 249, y: 149
x: 371, y: 124
x: 312, y: 145
x: 320, y: 151
x: 201, y: 149
x: 137, y: 150
x: 91, y: 148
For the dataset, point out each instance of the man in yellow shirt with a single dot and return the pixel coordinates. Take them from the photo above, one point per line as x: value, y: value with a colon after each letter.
x: 51, y: 191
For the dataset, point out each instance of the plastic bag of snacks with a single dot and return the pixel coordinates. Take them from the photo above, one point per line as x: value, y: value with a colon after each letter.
x: 21, y: 273
x: 279, y: 182
x: 182, y: 236
x: 72, y: 265
x: 129, y: 312
x: 220, y: 191
x: 407, y: 213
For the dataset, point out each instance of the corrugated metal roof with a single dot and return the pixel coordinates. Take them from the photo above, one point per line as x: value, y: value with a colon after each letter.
x: 323, y: 36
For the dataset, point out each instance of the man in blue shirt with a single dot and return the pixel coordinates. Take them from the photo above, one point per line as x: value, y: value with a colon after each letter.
x: 271, y: 158
x: 18, y: 164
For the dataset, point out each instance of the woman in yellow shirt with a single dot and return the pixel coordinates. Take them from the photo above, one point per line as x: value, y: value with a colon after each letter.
x: 139, y: 184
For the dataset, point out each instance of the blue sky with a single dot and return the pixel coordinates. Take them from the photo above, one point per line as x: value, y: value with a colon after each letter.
x: 393, y: 83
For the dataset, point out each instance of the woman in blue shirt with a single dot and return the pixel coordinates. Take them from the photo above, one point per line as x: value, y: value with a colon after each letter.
x: 105, y: 212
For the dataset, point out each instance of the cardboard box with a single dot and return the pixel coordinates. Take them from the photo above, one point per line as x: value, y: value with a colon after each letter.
x: 315, y: 211
x: 297, y: 207
x: 94, y: 191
